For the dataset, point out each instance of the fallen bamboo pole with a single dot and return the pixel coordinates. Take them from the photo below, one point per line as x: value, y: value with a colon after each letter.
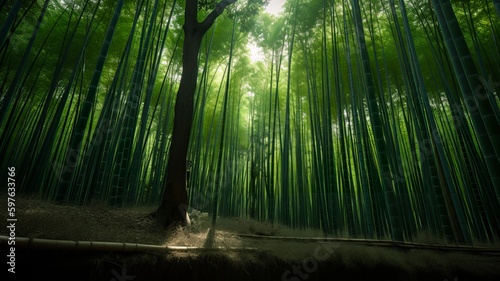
x: 38, y: 243
x: 381, y: 243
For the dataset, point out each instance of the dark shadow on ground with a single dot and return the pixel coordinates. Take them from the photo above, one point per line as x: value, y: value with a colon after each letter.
x: 209, y: 242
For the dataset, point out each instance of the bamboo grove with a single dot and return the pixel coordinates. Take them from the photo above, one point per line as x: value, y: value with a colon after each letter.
x: 371, y: 119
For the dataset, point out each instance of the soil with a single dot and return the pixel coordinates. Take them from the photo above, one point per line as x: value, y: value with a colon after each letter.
x: 222, y: 253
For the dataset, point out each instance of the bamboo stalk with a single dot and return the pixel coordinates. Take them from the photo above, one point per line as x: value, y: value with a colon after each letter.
x: 39, y: 243
x: 381, y: 243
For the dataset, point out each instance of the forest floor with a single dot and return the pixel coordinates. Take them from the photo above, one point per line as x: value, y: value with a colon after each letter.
x: 239, y: 257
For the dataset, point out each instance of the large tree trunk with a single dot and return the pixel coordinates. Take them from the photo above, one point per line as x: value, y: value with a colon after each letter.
x: 174, y: 203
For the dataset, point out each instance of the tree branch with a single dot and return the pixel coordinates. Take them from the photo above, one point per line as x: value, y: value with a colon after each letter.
x: 210, y: 19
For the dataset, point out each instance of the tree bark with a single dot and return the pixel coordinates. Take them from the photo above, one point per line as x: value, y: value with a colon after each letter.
x: 174, y: 203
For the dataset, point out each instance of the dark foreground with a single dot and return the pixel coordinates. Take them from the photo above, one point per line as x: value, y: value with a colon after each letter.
x: 64, y: 265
